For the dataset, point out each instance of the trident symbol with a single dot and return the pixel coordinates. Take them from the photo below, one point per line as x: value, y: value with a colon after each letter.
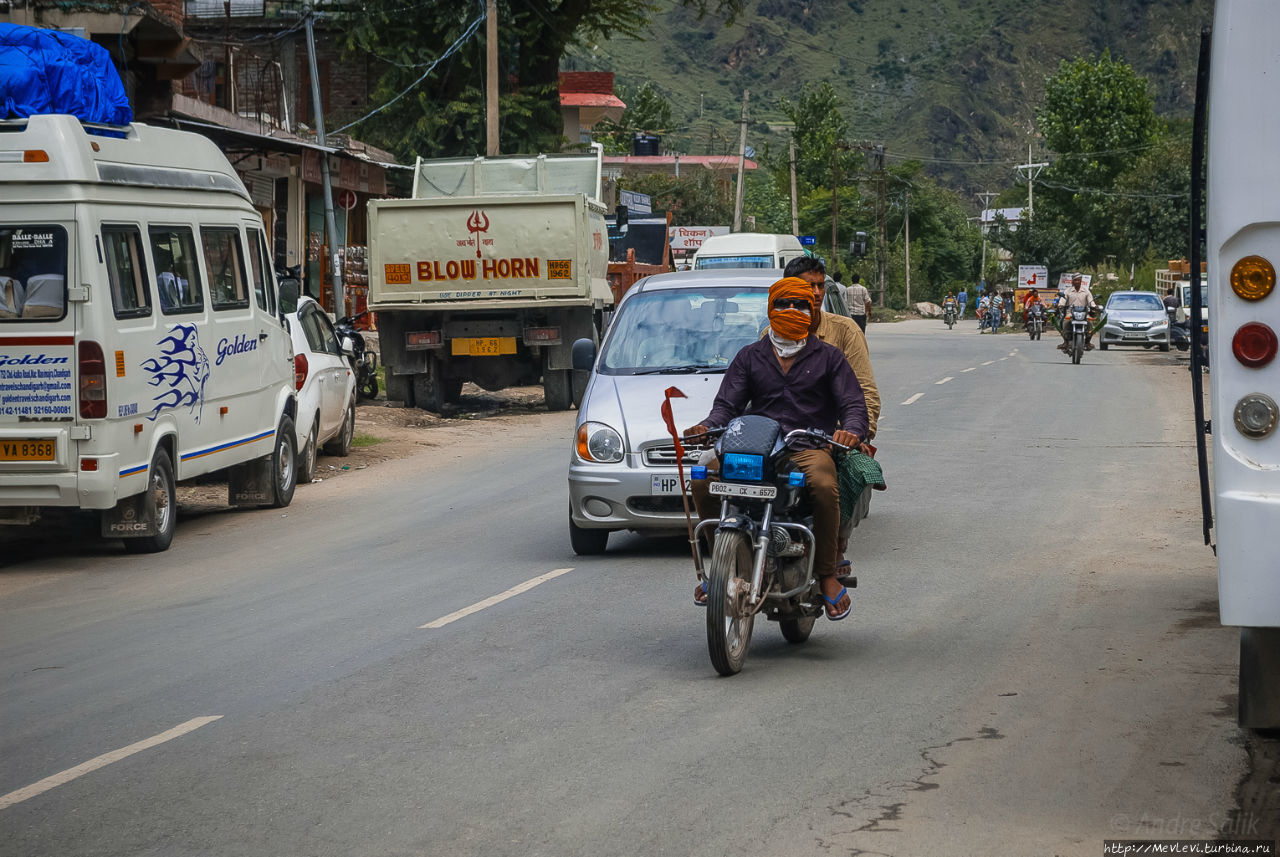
x: 476, y: 224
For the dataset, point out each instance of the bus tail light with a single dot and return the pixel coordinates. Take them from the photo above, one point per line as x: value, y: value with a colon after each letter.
x: 1256, y: 415
x: 1254, y: 344
x: 1253, y: 278
x: 93, y: 381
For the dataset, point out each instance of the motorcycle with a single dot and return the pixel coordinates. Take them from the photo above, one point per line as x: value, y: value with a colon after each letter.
x: 363, y: 361
x: 1078, y: 319
x: 1035, y: 321
x: 949, y: 316
x: 763, y: 549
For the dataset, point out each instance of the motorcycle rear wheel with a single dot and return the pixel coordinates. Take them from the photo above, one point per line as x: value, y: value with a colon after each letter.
x: 796, y: 630
x: 729, y: 620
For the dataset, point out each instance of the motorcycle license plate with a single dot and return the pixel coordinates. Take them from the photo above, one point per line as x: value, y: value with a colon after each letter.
x: 733, y: 489
x: 484, y: 346
x: 27, y: 449
x: 665, y: 486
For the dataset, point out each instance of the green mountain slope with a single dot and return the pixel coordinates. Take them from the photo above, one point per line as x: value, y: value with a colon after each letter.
x: 954, y: 83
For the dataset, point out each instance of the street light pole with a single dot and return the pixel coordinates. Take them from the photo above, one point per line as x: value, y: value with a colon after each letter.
x: 491, y: 77
x: 331, y: 225
x: 742, y: 163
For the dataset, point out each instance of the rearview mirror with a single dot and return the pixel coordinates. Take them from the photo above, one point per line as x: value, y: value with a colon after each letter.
x: 290, y: 289
x: 584, y: 355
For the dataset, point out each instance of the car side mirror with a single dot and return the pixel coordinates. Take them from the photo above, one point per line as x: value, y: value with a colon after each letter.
x: 584, y: 355
x: 290, y: 290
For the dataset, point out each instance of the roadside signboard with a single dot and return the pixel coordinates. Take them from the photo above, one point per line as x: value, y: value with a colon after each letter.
x: 686, y: 239
x: 636, y: 203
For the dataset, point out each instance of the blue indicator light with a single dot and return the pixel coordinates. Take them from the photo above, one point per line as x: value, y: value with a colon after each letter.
x: 796, y: 479
x: 698, y: 471
x: 745, y: 468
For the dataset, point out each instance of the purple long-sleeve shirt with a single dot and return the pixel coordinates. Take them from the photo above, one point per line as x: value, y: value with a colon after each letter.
x: 819, y: 391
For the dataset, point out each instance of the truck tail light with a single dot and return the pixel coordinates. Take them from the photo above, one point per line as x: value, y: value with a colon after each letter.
x: 93, y: 381
x: 300, y: 369
x: 1254, y: 344
x: 542, y: 336
x: 1253, y: 278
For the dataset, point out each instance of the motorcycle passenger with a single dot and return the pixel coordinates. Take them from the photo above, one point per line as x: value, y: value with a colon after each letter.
x: 793, y: 377
x: 983, y: 303
x: 1077, y: 295
x: 845, y: 334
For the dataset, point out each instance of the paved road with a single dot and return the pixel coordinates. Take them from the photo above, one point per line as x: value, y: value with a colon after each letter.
x: 1033, y: 665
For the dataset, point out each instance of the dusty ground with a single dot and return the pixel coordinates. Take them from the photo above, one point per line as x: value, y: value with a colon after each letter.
x: 385, y: 431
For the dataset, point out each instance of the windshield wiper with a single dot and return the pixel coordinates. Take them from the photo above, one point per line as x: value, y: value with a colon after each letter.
x: 690, y: 369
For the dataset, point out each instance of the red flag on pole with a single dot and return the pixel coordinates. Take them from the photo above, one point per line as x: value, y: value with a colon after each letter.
x: 669, y: 419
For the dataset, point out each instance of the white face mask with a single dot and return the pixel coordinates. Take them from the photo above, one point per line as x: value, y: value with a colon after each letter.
x: 785, y: 347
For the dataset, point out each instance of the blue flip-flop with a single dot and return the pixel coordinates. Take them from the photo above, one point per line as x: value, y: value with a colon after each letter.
x: 834, y: 601
x: 702, y: 603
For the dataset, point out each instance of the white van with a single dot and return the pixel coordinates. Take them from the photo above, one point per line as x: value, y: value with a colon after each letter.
x: 140, y: 342
x: 747, y: 250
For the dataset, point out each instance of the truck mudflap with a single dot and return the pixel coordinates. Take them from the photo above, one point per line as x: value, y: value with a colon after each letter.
x: 250, y: 483
x: 131, y: 517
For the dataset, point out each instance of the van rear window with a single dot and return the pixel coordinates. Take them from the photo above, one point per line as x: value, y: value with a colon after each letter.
x: 709, y: 262
x: 33, y: 272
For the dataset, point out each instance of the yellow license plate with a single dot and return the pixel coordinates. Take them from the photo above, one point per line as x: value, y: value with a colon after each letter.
x: 27, y: 449
x: 485, y: 346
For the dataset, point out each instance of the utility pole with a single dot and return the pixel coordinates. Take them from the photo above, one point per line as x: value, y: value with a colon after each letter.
x: 906, y: 223
x: 491, y: 77
x: 835, y: 202
x: 880, y: 205
x: 331, y: 225
x: 985, y: 196
x: 795, y: 211
x: 1031, y: 171
x: 742, y: 162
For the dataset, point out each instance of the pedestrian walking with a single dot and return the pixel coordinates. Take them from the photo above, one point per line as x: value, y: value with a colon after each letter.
x: 859, y: 302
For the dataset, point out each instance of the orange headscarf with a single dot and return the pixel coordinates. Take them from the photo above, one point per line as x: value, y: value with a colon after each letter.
x: 792, y: 324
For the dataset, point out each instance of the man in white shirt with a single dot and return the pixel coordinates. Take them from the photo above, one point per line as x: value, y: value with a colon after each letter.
x: 859, y: 302
x: 1077, y: 295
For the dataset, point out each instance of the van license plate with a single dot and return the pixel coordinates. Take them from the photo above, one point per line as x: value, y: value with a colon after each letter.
x: 485, y: 346
x: 733, y: 489
x: 27, y: 449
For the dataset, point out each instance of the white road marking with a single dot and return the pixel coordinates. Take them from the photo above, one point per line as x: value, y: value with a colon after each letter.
x: 944, y: 380
x: 102, y: 761
x: 988, y: 363
x: 970, y: 369
x: 913, y: 398
x: 496, y: 599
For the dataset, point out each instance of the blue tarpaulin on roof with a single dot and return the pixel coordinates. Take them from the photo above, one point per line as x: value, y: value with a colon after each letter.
x: 45, y: 71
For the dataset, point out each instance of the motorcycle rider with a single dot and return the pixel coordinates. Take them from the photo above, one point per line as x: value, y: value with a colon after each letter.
x: 1077, y: 295
x: 1032, y: 299
x: 981, y: 312
x: 793, y: 377
x: 949, y: 303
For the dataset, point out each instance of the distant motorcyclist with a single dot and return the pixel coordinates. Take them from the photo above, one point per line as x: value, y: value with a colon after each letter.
x: 1076, y: 296
x: 1032, y: 299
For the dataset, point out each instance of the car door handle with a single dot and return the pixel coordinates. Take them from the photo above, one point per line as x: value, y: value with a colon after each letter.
x: 262, y: 334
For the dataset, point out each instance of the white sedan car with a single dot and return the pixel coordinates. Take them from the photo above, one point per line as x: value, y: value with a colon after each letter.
x: 326, y: 388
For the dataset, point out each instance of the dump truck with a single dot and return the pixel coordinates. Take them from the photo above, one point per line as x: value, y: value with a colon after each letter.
x: 489, y: 273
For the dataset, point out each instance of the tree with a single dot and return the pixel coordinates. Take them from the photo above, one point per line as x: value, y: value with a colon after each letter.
x: 1152, y: 213
x: 700, y: 199
x: 1097, y: 116
x: 819, y: 128
x: 648, y: 112
x: 442, y: 113
x: 1038, y: 242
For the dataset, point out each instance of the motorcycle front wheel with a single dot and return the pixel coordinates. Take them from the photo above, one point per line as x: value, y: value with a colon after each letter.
x: 1077, y: 348
x: 729, y: 619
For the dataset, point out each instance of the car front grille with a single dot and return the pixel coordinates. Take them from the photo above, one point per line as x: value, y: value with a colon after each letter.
x: 665, y: 456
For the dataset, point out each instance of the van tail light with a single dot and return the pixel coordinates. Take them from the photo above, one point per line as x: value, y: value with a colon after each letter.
x: 1254, y: 344
x: 93, y: 381
x: 300, y: 369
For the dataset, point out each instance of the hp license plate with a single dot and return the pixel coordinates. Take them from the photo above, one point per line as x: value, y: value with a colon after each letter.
x: 733, y: 489
x: 485, y: 346
x: 28, y: 449
x: 664, y: 486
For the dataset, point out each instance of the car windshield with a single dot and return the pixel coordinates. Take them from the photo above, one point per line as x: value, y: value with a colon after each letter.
x: 708, y: 262
x: 1150, y: 302
x: 683, y: 330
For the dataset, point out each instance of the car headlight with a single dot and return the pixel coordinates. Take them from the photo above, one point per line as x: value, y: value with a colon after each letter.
x: 597, y: 442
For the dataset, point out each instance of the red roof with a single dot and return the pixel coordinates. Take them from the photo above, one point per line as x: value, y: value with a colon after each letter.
x: 588, y: 89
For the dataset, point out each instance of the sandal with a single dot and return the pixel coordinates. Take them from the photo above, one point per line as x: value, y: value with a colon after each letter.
x: 700, y: 594
x: 832, y: 602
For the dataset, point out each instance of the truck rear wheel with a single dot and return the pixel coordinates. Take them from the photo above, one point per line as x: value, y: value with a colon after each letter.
x: 557, y: 389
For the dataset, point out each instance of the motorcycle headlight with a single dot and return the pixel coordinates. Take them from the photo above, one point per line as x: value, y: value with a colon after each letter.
x: 597, y: 442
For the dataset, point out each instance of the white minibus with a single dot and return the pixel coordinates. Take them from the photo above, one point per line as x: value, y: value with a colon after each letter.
x: 140, y: 341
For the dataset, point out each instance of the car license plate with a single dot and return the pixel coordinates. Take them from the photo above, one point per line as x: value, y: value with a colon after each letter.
x: 733, y: 489
x: 27, y: 449
x: 665, y: 486
x: 1135, y: 336
x: 484, y: 346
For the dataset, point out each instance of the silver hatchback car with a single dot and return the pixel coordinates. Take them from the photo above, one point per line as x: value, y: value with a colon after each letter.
x: 1135, y: 318
x: 678, y: 329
